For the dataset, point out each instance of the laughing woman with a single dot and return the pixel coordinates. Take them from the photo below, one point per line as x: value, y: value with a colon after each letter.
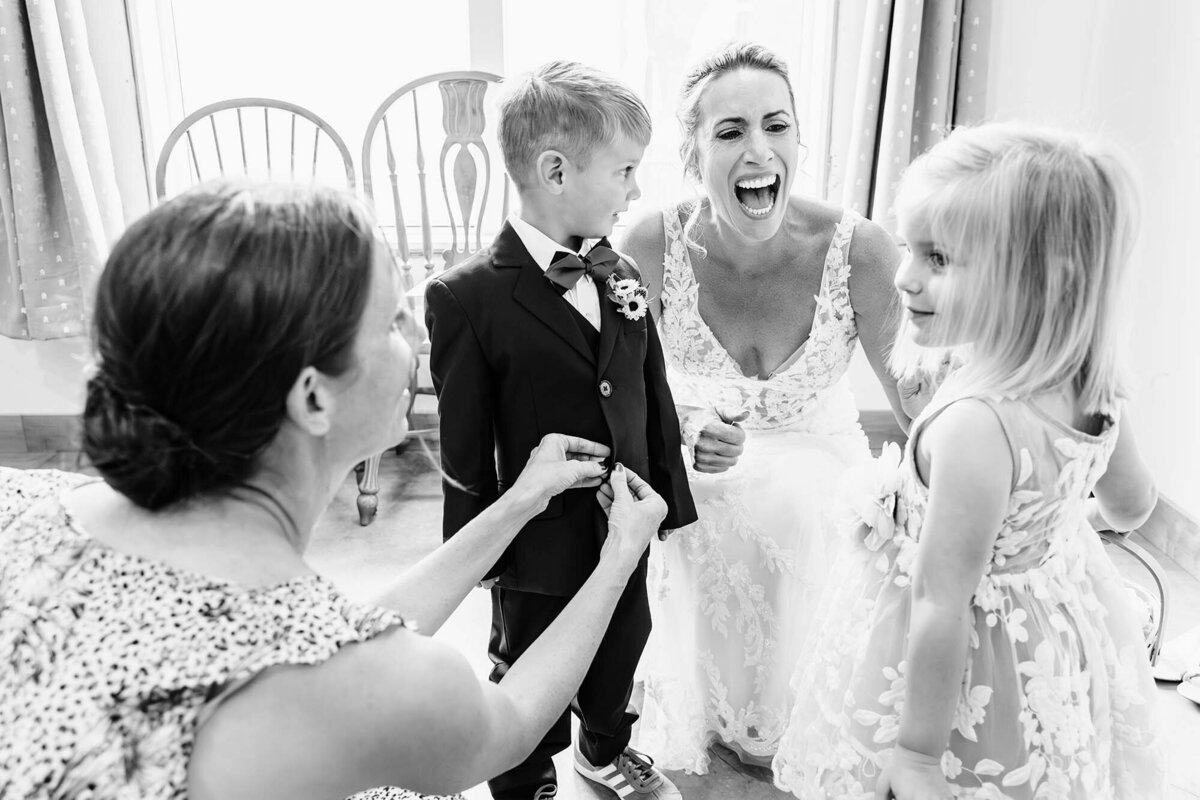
x: 760, y: 298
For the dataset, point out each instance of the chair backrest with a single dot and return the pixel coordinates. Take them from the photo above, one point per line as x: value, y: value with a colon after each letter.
x: 473, y: 185
x: 257, y: 137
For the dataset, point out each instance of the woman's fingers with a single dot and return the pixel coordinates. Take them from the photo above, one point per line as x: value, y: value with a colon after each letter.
x: 722, y: 432
x: 640, y: 488
x: 560, y: 446
x: 579, y: 449
x: 587, y: 474
x: 619, y: 484
x: 604, y: 496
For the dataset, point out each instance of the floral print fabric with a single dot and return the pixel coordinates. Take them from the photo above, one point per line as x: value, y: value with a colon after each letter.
x: 732, y: 595
x: 108, y: 659
x: 1055, y: 700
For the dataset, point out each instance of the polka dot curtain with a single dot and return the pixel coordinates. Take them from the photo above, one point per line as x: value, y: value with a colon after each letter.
x: 58, y: 190
x: 921, y: 69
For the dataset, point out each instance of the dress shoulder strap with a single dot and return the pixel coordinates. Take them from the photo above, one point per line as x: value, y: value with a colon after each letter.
x: 836, y: 281
x: 1005, y: 411
x: 678, y: 276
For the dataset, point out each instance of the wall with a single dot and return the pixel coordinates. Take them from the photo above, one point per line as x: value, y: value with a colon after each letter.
x: 1115, y: 69
x: 1133, y: 76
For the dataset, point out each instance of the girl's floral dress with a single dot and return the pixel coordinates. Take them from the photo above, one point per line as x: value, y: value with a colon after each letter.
x: 1055, y: 700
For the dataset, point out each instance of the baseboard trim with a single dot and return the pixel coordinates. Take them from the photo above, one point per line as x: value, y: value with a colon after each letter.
x: 1176, y: 533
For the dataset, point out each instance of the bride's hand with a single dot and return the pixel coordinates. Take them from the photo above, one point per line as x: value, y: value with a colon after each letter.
x: 558, y: 463
x: 718, y: 446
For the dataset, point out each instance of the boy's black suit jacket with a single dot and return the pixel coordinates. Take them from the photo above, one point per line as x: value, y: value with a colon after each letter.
x: 510, y: 364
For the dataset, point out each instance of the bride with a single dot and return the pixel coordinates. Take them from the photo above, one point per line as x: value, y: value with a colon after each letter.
x: 761, y: 298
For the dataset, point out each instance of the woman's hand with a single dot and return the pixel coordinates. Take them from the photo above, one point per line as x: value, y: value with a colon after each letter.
x: 558, y: 463
x: 915, y: 390
x: 912, y: 776
x: 716, y: 443
x: 635, y: 511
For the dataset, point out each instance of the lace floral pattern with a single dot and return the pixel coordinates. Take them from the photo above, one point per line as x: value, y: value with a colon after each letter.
x: 1055, y: 698
x: 108, y: 658
x: 732, y: 594
x: 702, y: 371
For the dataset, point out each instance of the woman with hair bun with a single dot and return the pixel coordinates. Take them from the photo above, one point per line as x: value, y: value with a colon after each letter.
x: 761, y: 298
x: 161, y: 634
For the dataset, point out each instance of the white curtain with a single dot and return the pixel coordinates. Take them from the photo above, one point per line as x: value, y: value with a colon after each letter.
x: 58, y: 191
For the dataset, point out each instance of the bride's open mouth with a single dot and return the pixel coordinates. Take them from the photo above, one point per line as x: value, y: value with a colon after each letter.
x: 757, y: 196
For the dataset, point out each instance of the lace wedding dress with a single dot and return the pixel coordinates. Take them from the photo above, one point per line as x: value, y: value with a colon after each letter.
x: 732, y: 595
x: 1056, y: 696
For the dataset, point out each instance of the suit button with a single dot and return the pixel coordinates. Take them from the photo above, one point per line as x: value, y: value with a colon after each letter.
x: 605, y: 389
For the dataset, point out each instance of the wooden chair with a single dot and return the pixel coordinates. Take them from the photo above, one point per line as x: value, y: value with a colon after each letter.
x: 256, y: 137
x: 432, y: 130
x: 446, y: 114
x: 1158, y: 602
x: 259, y: 138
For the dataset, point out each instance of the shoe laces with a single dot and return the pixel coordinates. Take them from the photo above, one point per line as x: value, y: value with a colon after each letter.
x: 546, y: 792
x: 638, y: 769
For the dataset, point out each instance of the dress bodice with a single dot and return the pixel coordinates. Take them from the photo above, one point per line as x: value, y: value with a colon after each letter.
x: 809, y: 392
x: 107, y: 660
x: 1055, y: 468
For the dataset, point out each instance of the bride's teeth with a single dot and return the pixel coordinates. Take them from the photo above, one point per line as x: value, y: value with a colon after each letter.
x: 756, y: 183
x: 757, y: 212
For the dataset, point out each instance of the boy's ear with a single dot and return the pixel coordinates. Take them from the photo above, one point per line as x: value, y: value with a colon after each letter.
x: 310, y: 403
x: 549, y: 171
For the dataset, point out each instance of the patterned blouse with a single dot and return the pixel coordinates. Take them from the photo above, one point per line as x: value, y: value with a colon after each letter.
x: 107, y: 659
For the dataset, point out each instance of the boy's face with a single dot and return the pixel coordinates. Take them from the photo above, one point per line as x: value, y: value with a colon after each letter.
x: 594, y: 197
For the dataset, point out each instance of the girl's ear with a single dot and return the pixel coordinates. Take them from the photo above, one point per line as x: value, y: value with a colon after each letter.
x: 549, y: 171
x: 310, y: 403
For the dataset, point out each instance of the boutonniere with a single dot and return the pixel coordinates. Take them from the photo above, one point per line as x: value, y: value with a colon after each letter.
x: 629, y: 295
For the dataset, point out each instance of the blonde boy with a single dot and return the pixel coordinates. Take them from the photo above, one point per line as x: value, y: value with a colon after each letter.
x: 531, y: 337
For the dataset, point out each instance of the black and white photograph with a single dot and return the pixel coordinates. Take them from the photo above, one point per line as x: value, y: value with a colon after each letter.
x: 561, y: 400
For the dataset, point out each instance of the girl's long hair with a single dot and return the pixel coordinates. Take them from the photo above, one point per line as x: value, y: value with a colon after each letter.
x: 1038, y: 226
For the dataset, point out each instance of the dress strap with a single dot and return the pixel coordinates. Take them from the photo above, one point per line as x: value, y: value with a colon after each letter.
x: 1004, y: 411
x: 835, y: 283
x: 678, y: 276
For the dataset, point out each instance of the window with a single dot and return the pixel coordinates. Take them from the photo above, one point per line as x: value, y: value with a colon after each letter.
x: 340, y: 65
x: 339, y: 61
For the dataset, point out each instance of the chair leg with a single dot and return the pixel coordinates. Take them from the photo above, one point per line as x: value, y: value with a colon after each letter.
x: 368, y: 490
x: 1158, y: 574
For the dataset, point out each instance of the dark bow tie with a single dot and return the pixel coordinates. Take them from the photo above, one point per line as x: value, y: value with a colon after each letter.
x: 567, y: 268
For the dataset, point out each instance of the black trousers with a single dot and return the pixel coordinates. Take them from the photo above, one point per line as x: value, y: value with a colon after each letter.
x: 518, y: 618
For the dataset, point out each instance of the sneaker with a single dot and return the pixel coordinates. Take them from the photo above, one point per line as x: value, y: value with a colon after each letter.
x: 546, y: 792
x: 631, y: 774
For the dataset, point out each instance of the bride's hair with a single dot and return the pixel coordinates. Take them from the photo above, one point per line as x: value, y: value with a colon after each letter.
x: 739, y: 55
x: 1037, y: 227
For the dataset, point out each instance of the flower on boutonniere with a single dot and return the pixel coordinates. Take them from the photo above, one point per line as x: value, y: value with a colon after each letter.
x: 629, y: 295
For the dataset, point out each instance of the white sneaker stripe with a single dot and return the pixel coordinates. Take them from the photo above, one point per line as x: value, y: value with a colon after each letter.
x: 624, y: 791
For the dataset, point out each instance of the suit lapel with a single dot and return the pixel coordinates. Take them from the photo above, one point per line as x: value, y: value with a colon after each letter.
x: 535, y: 294
x: 611, y: 323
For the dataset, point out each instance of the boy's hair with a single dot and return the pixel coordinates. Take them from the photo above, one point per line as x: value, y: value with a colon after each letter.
x: 567, y: 107
x: 1037, y: 226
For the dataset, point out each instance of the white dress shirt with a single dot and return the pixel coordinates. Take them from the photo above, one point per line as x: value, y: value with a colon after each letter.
x: 583, y: 295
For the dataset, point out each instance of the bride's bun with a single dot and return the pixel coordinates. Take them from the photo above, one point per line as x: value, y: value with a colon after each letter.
x: 207, y: 311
